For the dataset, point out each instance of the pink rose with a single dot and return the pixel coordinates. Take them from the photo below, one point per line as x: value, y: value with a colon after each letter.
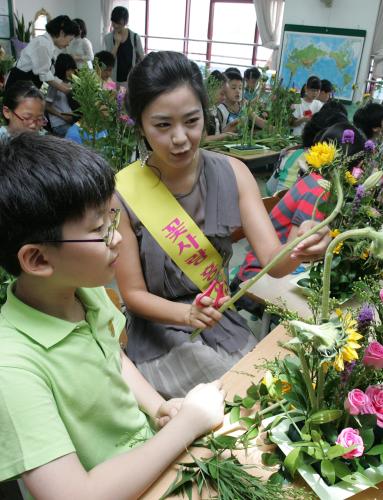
x: 357, y: 172
x: 350, y: 437
x: 381, y: 294
x: 358, y: 402
x: 373, y: 355
x: 375, y: 394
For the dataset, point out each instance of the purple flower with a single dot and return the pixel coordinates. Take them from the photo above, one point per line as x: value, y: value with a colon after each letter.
x: 365, y: 317
x: 358, y: 198
x: 369, y: 146
x: 345, y: 374
x: 120, y: 101
x: 348, y: 136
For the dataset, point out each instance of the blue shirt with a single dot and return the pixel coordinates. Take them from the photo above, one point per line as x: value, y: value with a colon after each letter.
x: 77, y: 134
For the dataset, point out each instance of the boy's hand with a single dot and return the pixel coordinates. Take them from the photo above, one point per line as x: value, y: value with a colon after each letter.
x: 167, y: 411
x: 204, y: 406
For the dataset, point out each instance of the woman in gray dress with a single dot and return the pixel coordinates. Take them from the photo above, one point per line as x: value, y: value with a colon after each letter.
x: 168, y: 102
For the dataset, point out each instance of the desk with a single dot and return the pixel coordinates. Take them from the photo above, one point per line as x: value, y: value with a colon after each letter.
x: 257, y: 162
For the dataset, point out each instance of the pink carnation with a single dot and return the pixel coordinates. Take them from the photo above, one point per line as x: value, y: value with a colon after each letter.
x: 375, y: 394
x: 358, y: 402
x: 373, y: 355
x: 381, y: 294
x: 110, y: 85
x: 357, y: 172
x: 350, y: 437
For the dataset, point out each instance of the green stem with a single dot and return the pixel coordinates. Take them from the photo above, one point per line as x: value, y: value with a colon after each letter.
x: 285, y: 251
x: 320, y: 385
x: 307, y: 379
x: 352, y: 233
x: 280, y: 403
x: 272, y: 407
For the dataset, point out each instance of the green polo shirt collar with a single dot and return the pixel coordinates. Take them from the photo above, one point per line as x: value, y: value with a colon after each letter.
x: 44, y: 329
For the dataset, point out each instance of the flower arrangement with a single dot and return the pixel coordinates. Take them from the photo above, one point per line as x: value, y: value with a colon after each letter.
x: 102, y: 110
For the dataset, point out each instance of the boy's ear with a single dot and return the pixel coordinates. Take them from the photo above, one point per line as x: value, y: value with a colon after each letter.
x: 33, y: 260
x: 6, y: 112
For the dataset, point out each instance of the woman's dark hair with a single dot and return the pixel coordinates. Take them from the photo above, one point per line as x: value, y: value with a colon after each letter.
x: 326, y: 86
x: 23, y: 89
x: 313, y: 82
x: 62, y: 64
x: 44, y: 182
x: 368, y: 117
x: 335, y: 134
x: 330, y: 113
x: 81, y: 24
x: 105, y: 58
x: 161, y: 72
x: 120, y: 14
x: 252, y: 73
x: 64, y: 24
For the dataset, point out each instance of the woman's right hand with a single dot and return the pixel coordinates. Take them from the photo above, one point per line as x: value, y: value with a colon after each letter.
x: 203, y: 407
x: 204, y: 315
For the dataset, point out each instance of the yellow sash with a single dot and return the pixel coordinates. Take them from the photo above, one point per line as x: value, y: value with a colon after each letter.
x: 169, y: 224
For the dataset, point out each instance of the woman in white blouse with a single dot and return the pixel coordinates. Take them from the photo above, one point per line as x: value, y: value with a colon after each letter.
x: 80, y: 48
x: 36, y: 61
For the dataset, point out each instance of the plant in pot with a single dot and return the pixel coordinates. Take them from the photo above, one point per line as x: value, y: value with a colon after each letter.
x: 23, y: 32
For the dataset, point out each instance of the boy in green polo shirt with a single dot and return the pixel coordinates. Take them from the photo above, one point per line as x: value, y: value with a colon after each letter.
x: 72, y: 407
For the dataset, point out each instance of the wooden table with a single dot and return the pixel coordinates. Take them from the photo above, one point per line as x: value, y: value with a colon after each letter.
x: 257, y: 162
x: 236, y: 381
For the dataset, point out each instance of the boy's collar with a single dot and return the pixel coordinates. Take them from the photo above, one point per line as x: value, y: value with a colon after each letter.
x: 44, y: 329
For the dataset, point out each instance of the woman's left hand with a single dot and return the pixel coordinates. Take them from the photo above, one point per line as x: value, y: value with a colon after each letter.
x: 314, y: 247
x: 167, y: 411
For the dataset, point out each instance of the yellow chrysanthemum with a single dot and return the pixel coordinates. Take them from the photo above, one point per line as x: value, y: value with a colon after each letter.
x: 334, y: 233
x: 338, y: 248
x: 348, y: 351
x: 293, y: 90
x: 321, y: 154
x: 364, y: 255
x: 350, y: 178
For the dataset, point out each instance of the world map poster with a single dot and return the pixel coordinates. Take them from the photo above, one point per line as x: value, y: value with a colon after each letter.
x: 329, y: 53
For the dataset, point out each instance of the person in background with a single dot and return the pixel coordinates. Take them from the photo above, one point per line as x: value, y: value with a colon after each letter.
x: 251, y: 77
x: 80, y: 48
x: 216, y: 81
x: 229, y: 111
x: 104, y: 62
x: 23, y: 109
x: 308, y: 106
x: 78, y: 419
x: 124, y: 44
x: 369, y: 118
x: 60, y: 113
x: 326, y: 91
x: 292, y: 161
x: 36, y: 61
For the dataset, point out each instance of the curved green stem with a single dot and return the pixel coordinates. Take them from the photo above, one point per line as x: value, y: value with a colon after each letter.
x: 307, y: 379
x: 320, y: 386
x: 285, y: 251
x: 352, y: 233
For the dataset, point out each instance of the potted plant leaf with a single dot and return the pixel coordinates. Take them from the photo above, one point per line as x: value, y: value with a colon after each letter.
x: 23, y: 32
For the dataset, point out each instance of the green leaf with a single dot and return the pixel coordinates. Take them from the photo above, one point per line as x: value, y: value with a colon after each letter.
x: 375, y: 450
x: 276, y: 478
x: 324, y: 416
x: 234, y: 414
x: 341, y: 469
x: 357, y: 477
x: 248, y: 402
x: 270, y: 459
x: 237, y: 399
x: 368, y: 439
x: 224, y: 442
x: 248, y: 421
x: 212, y: 470
x: 338, y: 451
x: 253, y: 392
x: 327, y: 470
x: 293, y: 461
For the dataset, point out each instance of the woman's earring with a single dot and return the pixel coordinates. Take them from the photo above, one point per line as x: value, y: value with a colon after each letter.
x: 143, y: 153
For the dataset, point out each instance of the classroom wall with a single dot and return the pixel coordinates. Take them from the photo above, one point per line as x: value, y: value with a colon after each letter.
x: 54, y: 7
x: 90, y: 12
x: 352, y: 14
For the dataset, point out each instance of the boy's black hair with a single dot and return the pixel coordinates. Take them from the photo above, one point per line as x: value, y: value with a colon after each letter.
x: 120, y: 14
x: 22, y: 89
x: 44, y: 182
x: 368, y: 117
x: 62, y: 64
x: 216, y: 76
x: 81, y: 24
x: 64, y: 24
x: 105, y: 59
x: 330, y: 113
x: 313, y: 82
x: 234, y: 75
x: 326, y: 86
x: 252, y: 73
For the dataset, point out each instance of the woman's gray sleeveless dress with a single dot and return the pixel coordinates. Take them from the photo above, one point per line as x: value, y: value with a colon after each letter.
x: 163, y: 353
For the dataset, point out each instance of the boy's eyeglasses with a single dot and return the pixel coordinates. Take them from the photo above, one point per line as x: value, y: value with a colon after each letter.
x: 30, y: 121
x: 107, y: 239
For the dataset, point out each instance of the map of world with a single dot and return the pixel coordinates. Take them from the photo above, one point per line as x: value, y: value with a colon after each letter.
x: 334, y: 57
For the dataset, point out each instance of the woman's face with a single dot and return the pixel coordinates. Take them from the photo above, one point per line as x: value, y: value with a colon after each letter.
x: 28, y: 115
x: 173, y: 124
x: 62, y: 40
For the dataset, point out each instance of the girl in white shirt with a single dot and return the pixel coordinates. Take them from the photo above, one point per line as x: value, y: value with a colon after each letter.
x: 308, y: 106
x: 37, y: 59
x: 80, y: 48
